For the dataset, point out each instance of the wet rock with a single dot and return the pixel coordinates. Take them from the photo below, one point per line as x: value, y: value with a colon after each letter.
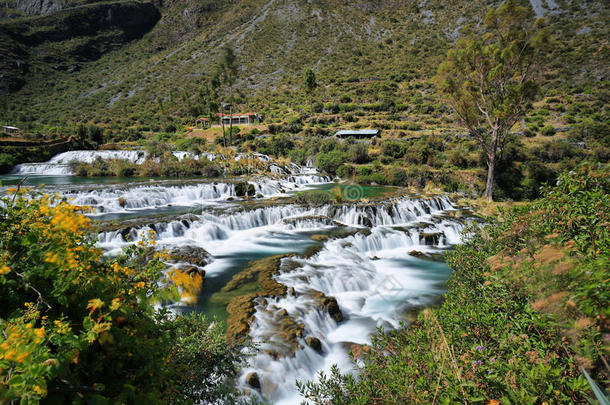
x: 291, y: 292
x: 365, y: 221
x: 314, y: 343
x: 253, y: 381
x: 251, y: 190
x: 330, y: 303
x: 241, y: 308
x: 319, y: 238
x: 122, y: 202
x: 190, y: 254
x: 416, y: 253
x: 322, y: 219
x: 312, y: 250
x: 125, y: 233
x: 430, y: 238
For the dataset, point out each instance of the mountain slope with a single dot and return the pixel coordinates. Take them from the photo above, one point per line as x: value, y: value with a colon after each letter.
x: 362, y: 51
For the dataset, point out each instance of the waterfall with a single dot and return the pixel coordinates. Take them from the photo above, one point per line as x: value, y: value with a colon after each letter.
x: 60, y: 164
x: 138, y: 196
x: 49, y: 169
x: 373, y: 280
x: 369, y: 271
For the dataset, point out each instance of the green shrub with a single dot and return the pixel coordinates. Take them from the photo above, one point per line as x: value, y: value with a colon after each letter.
x: 314, y: 197
x: 398, y: 177
x: 345, y: 171
x: 7, y: 162
x: 392, y: 149
x: 548, y: 130
x: 330, y: 161
x: 358, y: 153
x: 76, y: 327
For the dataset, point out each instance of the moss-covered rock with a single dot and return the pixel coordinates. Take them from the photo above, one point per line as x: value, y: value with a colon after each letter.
x: 255, y: 281
x: 328, y: 304
x: 430, y: 238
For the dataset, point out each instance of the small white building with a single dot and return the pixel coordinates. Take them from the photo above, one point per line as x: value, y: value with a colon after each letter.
x: 357, y: 133
x: 9, y: 130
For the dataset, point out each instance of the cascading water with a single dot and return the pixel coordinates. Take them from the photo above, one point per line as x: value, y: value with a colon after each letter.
x: 61, y: 164
x: 370, y: 274
x: 138, y: 197
x: 363, y: 263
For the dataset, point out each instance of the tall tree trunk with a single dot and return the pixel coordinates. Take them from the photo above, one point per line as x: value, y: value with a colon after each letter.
x: 491, y: 166
x: 222, y: 121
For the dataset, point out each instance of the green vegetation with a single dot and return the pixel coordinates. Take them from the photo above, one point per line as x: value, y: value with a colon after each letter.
x: 167, y: 166
x: 526, y: 308
x: 76, y: 327
x: 490, y: 79
x: 314, y: 197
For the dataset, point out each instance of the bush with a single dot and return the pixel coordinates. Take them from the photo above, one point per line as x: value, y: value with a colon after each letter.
x: 398, y: 177
x: 345, y: 171
x: 7, y: 162
x: 392, y: 149
x: 314, y: 197
x: 359, y: 153
x: 548, y: 130
x: 330, y: 161
x: 76, y: 327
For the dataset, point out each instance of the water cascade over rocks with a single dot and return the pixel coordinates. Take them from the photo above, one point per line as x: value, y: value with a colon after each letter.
x: 356, y: 282
x: 343, y: 271
x: 61, y: 164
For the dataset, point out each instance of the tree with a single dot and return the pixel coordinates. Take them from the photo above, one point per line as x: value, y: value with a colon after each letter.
x: 310, y: 86
x: 489, y: 77
x: 227, y: 74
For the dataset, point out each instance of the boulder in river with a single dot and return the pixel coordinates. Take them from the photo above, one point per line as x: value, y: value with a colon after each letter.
x: 190, y: 254
x: 430, y: 238
x: 314, y: 343
x: 253, y: 381
x: 330, y: 303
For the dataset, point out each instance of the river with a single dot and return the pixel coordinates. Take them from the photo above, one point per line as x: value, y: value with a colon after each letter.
x: 376, y: 257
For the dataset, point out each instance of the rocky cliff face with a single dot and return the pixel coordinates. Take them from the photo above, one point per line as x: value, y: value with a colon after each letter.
x: 35, y: 7
x: 81, y: 34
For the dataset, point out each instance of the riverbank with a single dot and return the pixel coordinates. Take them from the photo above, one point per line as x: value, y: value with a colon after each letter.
x: 525, y: 312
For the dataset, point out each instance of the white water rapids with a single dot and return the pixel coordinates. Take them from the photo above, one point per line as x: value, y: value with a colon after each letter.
x: 364, y: 264
x: 371, y: 275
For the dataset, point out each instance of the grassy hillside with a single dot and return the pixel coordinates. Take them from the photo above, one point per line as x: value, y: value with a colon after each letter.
x: 374, y: 60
